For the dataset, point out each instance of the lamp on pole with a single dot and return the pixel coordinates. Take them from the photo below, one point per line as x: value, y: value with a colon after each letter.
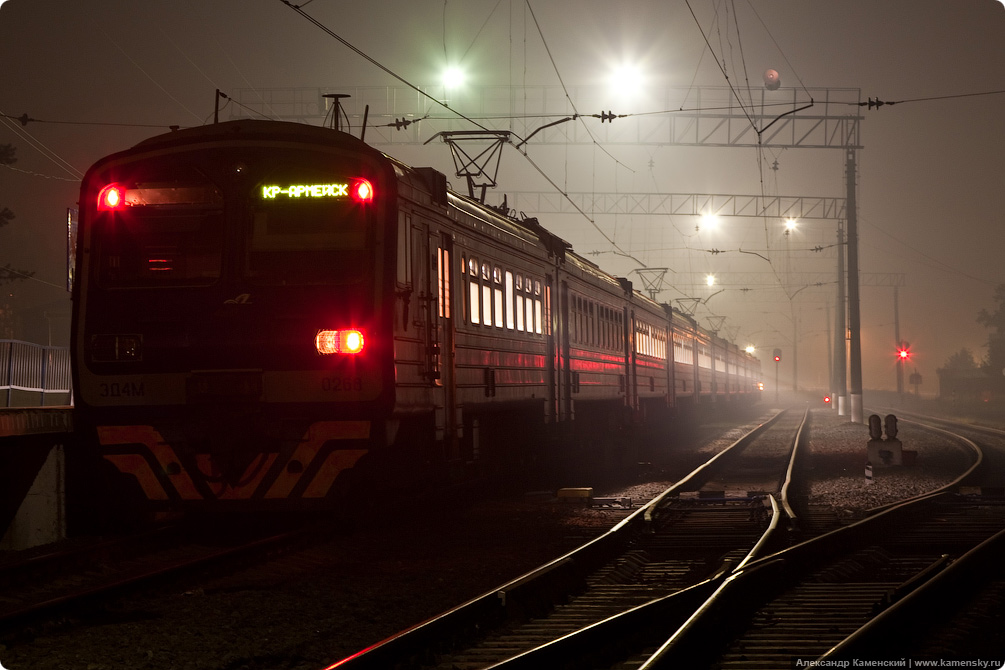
x: 778, y: 359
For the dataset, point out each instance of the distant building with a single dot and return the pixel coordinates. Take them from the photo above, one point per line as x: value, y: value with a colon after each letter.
x: 969, y: 384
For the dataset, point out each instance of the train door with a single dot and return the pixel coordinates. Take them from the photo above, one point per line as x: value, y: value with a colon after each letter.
x: 441, y: 246
x: 434, y: 284
x: 564, y: 387
x: 671, y: 361
x: 715, y: 385
x: 552, y: 334
x: 632, y: 390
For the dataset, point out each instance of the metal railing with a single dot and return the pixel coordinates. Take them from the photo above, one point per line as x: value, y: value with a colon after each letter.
x: 32, y: 375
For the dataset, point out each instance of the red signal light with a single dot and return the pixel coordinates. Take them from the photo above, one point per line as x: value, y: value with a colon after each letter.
x: 362, y: 191
x: 904, y: 354
x: 346, y: 341
x: 778, y: 358
x: 111, y: 197
x: 827, y: 399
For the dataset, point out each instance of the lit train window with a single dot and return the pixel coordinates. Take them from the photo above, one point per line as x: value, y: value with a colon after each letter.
x: 473, y: 267
x: 485, y: 271
x: 473, y: 293
x: 443, y: 282
x: 530, y: 315
x: 487, y: 305
x: 499, y: 307
x: 510, y: 321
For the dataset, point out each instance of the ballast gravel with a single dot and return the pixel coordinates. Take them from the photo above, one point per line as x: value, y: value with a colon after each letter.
x: 315, y: 607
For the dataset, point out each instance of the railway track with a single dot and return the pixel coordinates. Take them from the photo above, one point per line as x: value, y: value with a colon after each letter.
x: 669, y: 555
x: 831, y: 598
x: 860, y: 593
x: 765, y: 605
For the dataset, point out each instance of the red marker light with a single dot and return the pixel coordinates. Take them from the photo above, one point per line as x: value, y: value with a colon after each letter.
x: 347, y: 341
x: 827, y: 399
x: 110, y: 197
x: 362, y: 191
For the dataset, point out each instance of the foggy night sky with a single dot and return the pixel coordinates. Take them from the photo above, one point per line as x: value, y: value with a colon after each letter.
x: 930, y: 175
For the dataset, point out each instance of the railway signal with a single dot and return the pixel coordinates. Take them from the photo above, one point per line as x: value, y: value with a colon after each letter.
x: 903, y: 356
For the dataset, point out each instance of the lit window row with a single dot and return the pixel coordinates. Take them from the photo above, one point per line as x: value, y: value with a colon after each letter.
x: 501, y: 298
x: 650, y: 340
x: 704, y: 356
x: 683, y: 349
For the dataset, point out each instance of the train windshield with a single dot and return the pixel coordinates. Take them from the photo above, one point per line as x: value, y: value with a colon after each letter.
x: 160, y: 234
x: 308, y: 227
x: 268, y: 217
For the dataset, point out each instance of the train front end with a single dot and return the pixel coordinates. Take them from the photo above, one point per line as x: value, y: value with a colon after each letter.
x: 232, y: 344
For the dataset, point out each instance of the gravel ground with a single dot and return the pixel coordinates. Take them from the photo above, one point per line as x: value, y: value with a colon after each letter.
x: 324, y: 604
x: 837, y: 465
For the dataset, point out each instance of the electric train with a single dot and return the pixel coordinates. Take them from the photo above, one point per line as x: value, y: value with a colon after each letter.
x: 269, y: 314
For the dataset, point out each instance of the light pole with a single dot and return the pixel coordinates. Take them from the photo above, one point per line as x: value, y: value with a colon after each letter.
x: 854, y: 319
x: 778, y: 359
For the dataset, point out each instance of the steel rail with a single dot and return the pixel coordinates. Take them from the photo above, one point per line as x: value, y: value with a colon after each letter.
x: 489, y: 608
x: 787, y: 486
x: 762, y: 579
x: 631, y: 623
x: 890, y: 633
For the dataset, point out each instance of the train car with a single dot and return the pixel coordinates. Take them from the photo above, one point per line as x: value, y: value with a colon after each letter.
x: 272, y: 315
x: 685, y: 362
x: 593, y: 344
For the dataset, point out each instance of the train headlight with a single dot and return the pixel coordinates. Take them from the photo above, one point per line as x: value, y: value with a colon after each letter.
x: 116, y: 348
x: 346, y: 341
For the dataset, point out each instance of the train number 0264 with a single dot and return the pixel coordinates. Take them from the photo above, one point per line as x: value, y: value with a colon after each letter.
x: 342, y: 384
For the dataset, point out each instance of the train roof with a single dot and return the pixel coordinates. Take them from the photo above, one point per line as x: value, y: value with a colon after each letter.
x: 258, y: 129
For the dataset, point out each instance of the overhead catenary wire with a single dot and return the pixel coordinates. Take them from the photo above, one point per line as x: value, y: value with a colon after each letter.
x: 775, y: 42
x: 362, y: 54
x: 29, y: 276
x: 140, y: 68
x: 877, y: 103
x: 575, y: 116
x: 40, y: 147
x: 720, y: 66
x: 415, y: 88
x: 39, y: 174
x: 554, y: 65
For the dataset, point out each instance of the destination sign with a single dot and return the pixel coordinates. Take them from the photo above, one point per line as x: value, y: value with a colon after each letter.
x: 306, y: 191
